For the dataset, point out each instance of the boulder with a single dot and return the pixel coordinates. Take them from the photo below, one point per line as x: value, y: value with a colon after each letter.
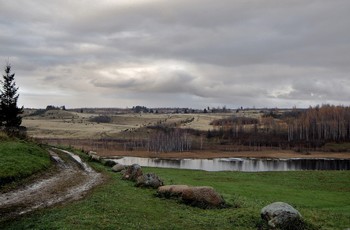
x: 132, y: 172
x: 281, y: 215
x: 90, y: 153
x: 149, y: 180
x: 203, y: 197
x: 169, y: 191
x: 118, y: 167
x: 108, y: 162
x: 95, y: 158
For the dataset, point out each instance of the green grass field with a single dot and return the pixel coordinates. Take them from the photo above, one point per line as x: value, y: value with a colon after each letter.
x: 322, y: 197
x: 20, y: 159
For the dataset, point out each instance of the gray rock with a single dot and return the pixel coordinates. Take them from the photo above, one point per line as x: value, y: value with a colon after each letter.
x: 95, y: 158
x: 281, y: 215
x: 132, y: 172
x: 90, y: 153
x: 118, y: 167
x: 149, y: 180
x: 108, y: 162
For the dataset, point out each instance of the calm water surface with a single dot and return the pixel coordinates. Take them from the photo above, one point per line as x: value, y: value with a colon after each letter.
x: 241, y: 164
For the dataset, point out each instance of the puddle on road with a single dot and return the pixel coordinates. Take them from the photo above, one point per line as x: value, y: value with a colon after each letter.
x: 85, y: 166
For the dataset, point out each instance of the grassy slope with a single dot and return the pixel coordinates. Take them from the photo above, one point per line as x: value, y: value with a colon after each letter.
x: 321, y: 197
x: 21, y: 159
x: 65, y: 124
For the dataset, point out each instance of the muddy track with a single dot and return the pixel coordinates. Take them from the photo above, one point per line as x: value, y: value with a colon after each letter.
x: 72, y: 181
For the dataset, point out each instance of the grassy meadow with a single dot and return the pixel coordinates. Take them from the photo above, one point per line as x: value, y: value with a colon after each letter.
x: 20, y: 159
x: 322, y: 197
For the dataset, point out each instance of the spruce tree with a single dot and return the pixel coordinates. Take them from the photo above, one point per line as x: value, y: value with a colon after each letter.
x: 9, y: 112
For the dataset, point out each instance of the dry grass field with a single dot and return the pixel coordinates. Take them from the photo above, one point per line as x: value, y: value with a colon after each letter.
x: 80, y: 130
x: 66, y: 124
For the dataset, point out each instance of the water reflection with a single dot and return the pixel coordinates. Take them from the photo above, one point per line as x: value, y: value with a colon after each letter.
x: 241, y: 164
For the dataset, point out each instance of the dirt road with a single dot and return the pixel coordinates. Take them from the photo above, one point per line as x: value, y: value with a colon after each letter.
x: 71, y: 181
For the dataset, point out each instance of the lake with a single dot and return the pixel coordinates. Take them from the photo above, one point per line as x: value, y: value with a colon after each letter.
x: 241, y: 164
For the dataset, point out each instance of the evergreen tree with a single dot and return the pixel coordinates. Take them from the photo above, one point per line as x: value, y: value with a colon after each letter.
x: 9, y: 112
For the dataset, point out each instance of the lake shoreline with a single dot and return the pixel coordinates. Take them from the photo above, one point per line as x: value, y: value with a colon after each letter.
x: 272, y: 154
x: 240, y: 164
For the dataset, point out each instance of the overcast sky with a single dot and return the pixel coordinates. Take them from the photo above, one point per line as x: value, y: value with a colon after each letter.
x: 178, y: 53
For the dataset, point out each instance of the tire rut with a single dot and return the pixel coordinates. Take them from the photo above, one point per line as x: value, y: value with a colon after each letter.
x: 73, y: 180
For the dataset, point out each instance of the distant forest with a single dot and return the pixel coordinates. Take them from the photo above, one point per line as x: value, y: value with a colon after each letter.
x: 309, y: 128
x: 298, y: 129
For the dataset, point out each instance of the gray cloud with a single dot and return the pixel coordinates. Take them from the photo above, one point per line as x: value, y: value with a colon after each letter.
x: 178, y: 53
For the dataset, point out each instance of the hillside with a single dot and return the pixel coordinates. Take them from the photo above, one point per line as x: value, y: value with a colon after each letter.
x: 302, y: 132
x: 74, y: 125
x: 20, y: 159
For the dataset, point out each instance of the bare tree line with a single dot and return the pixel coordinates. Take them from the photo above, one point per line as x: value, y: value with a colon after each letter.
x: 312, y: 127
x: 326, y: 123
x: 176, y: 140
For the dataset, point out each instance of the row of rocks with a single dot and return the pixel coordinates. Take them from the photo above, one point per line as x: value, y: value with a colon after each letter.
x: 201, y: 196
x: 133, y: 172
x: 277, y: 215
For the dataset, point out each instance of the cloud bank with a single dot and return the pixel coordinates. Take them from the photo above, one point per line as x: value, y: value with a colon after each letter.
x: 194, y: 53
